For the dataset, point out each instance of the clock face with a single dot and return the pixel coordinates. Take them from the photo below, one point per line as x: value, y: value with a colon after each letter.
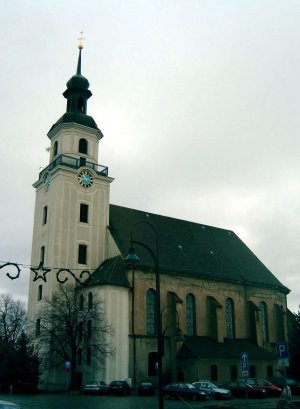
x: 85, y: 179
x: 47, y: 181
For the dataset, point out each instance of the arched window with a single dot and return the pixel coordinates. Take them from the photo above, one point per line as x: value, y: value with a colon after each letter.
x: 83, y: 146
x: 152, y: 363
x: 151, y: 312
x: 81, y: 302
x: 229, y: 311
x: 263, y: 317
x: 190, y: 315
x: 90, y: 300
x: 80, y: 104
x: 55, y: 148
x: 89, y: 329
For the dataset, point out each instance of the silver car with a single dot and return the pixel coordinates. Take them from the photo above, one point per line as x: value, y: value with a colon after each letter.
x: 4, y: 404
x: 94, y: 387
x: 212, y: 391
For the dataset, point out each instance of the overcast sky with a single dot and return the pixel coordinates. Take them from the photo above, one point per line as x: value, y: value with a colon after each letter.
x: 198, y: 101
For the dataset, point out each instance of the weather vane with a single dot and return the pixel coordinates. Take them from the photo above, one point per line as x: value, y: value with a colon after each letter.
x: 80, y: 39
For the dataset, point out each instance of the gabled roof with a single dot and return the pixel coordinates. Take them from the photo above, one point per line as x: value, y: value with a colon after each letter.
x: 204, y: 347
x: 190, y: 249
x: 112, y: 272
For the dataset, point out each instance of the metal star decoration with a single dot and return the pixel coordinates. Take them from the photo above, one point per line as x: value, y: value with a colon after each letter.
x: 40, y: 272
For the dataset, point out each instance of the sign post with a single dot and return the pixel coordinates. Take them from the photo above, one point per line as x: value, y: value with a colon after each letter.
x: 245, y: 364
x: 245, y: 370
x: 67, y: 367
x: 283, y: 354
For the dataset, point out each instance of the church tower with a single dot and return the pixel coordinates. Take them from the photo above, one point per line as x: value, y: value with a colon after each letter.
x: 72, y: 198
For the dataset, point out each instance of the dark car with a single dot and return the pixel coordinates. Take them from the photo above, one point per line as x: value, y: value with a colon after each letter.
x: 146, y: 388
x: 95, y: 387
x: 119, y: 388
x: 183, y: 390
x: 241, y: 389
x: 281, y: 381
x: 272, y: 390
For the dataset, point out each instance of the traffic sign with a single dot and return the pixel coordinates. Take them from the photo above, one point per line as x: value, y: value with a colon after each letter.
x: 283, y: 354
x: 67, y: 366
x: 245, y: 364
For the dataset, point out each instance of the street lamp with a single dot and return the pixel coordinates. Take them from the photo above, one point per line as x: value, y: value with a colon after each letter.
x: 178, y: 337
x: 133, y: 260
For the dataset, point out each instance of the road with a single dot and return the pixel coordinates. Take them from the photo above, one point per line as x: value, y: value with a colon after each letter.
x: 128, y: 402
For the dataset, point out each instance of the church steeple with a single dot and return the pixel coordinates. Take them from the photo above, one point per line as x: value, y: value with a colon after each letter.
x: 77, y: 95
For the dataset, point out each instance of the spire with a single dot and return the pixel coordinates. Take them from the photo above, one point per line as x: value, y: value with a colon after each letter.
x: 79, y: 63
x: 80, y: 46
x: 77, y: 95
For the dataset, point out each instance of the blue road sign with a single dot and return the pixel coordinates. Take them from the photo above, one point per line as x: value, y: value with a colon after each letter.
x: 282, y: 350
x: 245, y: 363
x: 67, y: 366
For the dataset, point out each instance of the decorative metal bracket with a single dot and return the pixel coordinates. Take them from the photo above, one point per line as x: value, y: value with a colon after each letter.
x: 8, y: 274
x: 40, y: 273
x: 62, y: 281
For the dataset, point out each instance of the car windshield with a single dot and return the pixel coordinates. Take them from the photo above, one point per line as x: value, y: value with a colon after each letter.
x: 190, y: 386
x: 92, y: 383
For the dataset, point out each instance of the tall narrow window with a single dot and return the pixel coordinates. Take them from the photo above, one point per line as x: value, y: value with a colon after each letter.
x: 233, y: 372
x: 214, y: 372
x: 79, y: 356
x: 81, y: 302
x: 190, y: 314
x: 263, y: 316
x: 40, y: 292
x: 252, y: 371
x: 82, y: 254
x: 90, y: 300
x: 151, y: 312
x: 37, y: 327
x: 45, y: 214
x: 84, y: 213
x: 89, y: 329
x: 88, y: 356
x: 229, y: 311
x: 55, y: 148
x: 42, y: 255
x: 83, y: 146
x: 80, y: 330
x: 80, y: 104
x: 270, y: 373
x: 152, y: 363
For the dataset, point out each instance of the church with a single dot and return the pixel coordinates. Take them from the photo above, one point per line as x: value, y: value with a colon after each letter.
x: 218, y: 301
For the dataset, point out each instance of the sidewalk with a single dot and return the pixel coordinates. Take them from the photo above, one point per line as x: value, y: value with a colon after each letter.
x: 270, y: 403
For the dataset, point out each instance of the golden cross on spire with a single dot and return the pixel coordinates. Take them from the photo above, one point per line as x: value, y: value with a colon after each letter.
x: 80, y: 39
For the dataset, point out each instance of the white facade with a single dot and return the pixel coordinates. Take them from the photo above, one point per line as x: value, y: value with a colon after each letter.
x: 58, y: 231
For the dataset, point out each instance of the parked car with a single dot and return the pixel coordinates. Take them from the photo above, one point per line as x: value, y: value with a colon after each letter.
x: 95, y: 387
x: 281, y: 381
x: 272, y: 390
x: 119, y: 388
x: 4, y: 404
x: 146, y: 388
x: 183, y: 390
x: 242, y: 389
x: 212, y: 390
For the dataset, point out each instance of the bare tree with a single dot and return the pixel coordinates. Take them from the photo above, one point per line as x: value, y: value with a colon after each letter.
x: 68, y: 326
x: 12, y: 319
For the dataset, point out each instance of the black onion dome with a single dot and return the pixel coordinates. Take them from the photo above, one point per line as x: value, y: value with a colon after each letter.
x: 78, y: 81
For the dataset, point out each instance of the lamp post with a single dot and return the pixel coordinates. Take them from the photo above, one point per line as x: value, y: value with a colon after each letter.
x: 178, y: 332
x: 133, y: 259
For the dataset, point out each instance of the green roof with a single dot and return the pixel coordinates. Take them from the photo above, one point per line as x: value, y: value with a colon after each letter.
x: 187, y: 248
x: 111, y: 271
x: 204, y: 347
